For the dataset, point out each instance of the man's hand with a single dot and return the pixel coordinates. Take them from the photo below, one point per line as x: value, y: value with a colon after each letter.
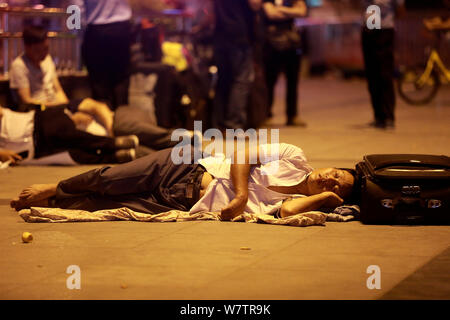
x: 8, y: 155
x: 332, y: 199
x: 234, y: 208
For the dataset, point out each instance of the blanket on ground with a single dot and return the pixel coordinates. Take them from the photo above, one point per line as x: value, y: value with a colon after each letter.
x: 56, y: 215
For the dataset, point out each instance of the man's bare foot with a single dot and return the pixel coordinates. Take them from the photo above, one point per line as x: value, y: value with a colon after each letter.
x: 34, y: 195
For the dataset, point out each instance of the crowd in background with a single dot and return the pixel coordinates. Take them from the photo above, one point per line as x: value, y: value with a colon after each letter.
x: 253, y: 42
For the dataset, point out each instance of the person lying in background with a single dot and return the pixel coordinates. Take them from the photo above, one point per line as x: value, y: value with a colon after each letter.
x: 36, y: 134
x: 155, y: 184
x: 35, y: 84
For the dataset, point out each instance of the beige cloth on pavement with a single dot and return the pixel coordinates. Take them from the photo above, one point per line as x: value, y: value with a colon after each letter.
x: 56, y: 215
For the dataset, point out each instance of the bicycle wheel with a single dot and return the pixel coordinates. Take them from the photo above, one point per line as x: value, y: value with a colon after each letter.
x: 416, y: 94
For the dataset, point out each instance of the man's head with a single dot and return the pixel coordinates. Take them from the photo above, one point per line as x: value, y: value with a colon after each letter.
x: 36, y: 43
x: 339, y: 181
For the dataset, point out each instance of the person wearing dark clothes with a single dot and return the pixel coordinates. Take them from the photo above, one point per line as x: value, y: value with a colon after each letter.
x: 106, y: 48
x: 233, y: 55
x: 42, y: 133
x: 282, y: 52
x: 34, y: 82
x: 156, y: 184
x: 378, y: 52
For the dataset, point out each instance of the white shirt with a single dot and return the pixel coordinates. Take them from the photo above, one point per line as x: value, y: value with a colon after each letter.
x: 16, y: 131
x: 104, y: 11
x: 291, y: 169
x: 41, y: 81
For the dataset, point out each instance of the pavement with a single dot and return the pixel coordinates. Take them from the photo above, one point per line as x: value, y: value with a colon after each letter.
x: 201, y: 260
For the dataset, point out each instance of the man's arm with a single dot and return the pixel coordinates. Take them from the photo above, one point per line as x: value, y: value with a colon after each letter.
x: 296, y: 11
x: 240, y: 173
x: 60, y: 95
x: 255, y: 5
x: 273, y: 12
x: 25, y: 96
x: 283, y: 12
x: 314, y: 202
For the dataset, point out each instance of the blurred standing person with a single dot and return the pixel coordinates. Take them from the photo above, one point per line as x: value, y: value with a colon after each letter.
x: 233, y: 37
x: 378, y: 50
x: 283, y: 52
x: 106, y: 48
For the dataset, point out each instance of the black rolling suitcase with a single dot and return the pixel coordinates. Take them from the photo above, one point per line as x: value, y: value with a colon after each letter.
x: 405, y: 189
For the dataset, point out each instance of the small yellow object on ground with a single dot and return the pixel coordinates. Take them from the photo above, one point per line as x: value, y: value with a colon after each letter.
x: 245, y: 248
x: 27, y: 237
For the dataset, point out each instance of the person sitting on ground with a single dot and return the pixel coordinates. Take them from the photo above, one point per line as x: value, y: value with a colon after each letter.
x: 155, y: 184
x: 38, y: 134
x: 35, y: 83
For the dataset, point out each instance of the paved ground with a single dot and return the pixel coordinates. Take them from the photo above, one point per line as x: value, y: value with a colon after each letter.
x: 204, y: 260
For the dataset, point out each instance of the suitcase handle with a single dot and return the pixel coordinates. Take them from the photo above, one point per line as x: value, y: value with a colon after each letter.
x: 443, y: 173
x: 411, y: 164
x: 408, y: 160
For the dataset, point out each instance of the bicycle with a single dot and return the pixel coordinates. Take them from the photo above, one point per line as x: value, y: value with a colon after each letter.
x: 418, y: 86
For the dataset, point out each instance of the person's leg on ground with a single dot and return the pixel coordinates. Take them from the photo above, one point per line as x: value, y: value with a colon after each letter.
x: 153, y: 184
x: 132, y: 120
x: 55, y: 132
x: 100, y: 111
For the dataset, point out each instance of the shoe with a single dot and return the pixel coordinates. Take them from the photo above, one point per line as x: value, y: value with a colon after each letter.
x: 125, y: 155
x: 296, y: 122
x: 269, y: 122
x: 390, y: 124
x: 127, y: 142
x: 377, y: 124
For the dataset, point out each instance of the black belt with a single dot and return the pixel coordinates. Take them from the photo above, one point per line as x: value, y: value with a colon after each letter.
x: 194, y: 186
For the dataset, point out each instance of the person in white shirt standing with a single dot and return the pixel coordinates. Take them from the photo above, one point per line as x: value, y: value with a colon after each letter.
x: 106, y: 48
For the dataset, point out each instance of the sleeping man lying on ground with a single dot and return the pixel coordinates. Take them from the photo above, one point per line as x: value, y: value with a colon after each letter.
x: 153, y: 184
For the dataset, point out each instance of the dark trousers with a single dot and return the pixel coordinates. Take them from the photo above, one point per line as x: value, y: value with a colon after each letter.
x: 132, y: 120
x: 151, y: 184
x: 378, y: 51
x: 235, y: 67
x: 106, y: 53
x: 54, y: 131
x: 287, y: 62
